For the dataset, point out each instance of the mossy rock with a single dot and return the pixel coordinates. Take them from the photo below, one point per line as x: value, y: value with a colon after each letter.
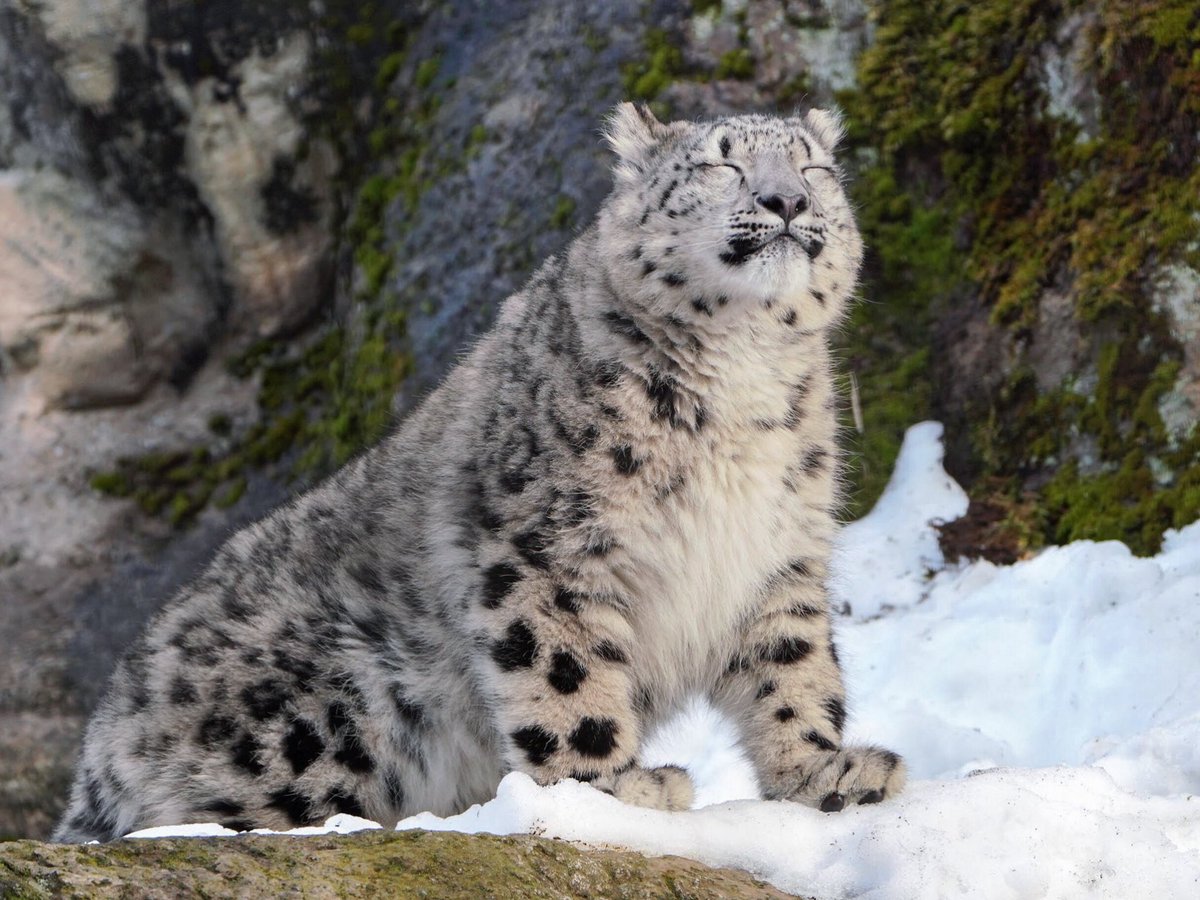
x: 977, y: 203
x: 373, y: 864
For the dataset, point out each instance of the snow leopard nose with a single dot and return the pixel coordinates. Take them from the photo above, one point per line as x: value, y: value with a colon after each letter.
x: 786, y: 206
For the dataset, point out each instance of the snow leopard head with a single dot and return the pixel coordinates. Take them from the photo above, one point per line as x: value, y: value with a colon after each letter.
x: 709, y: 218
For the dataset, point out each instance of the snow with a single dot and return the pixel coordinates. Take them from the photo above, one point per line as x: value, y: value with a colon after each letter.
x: 882, y: 559
x: 1049, y: 712
x: 339, y: 824
x: 1060, y: 832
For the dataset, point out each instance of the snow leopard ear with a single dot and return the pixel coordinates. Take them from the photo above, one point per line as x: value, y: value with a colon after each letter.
x: 633, y: 132
x: 827, y: 126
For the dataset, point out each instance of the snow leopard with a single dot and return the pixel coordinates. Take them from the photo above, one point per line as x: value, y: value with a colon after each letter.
x: 626, y: 494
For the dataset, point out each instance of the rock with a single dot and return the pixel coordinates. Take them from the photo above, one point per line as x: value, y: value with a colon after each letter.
x: 162, y: 205
x: 477, y: 218
x: 94, y: 300
x: 1058, y: 351
x: 1177, y: 296
x: 97, y: 302
x: 91, y: 359
x: 30, y: 777
x: 62, y: 252
x: 271, y: 210
x: 818, y: 40
x: 89, y: 34
x: 369, y: 864
x: 1067, y: 75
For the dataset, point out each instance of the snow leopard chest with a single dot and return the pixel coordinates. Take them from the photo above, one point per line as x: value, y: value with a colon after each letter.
x: 698, y: 558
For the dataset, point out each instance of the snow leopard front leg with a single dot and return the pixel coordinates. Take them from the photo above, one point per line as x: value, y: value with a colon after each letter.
x: 784, y: 687
x: 557, y: 664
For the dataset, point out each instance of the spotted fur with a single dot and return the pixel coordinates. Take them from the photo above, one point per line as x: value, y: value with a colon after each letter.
x: 625, y: 494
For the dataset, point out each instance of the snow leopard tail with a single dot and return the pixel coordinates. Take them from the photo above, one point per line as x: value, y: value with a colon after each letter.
x: 89, y: 817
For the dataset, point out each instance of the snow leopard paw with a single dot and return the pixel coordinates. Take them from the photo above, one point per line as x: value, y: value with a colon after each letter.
x: 835, y: 779
x: 664, y: 787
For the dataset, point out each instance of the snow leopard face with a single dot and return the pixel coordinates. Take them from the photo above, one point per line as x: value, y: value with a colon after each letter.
x: 707, y: 219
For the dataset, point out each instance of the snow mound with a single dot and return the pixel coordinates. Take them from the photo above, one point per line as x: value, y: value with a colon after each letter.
x: 1061, y: 832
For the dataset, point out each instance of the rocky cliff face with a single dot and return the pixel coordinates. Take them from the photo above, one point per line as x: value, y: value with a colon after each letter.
x: 236, y: 240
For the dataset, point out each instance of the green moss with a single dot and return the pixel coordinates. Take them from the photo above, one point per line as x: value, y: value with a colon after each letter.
x: 564, y: 212
x: 161, y: 462
x: 244, y: 364
x: 1141, y: 484
x: 1124, y: 504
x: 706, y: 7
x: 1173, y: 24
x: 375, y: 265
x: 1040, y: 200
x: 270, y: 441
x: 427, y: 71
x: 660, y: 64
x: 220, y: 424
x: 737, y: 63
x: 396, y: 33
x: 231, y: 494
x: 180, y: 508
x: 114, y: 484
x: 476, y: 138
x: 595, y: 40
x: 152, y: 500
x: 389, y: 69
x: 361, y: 34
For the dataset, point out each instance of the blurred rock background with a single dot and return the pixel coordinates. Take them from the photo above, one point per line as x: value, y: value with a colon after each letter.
x: 238, y: 239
